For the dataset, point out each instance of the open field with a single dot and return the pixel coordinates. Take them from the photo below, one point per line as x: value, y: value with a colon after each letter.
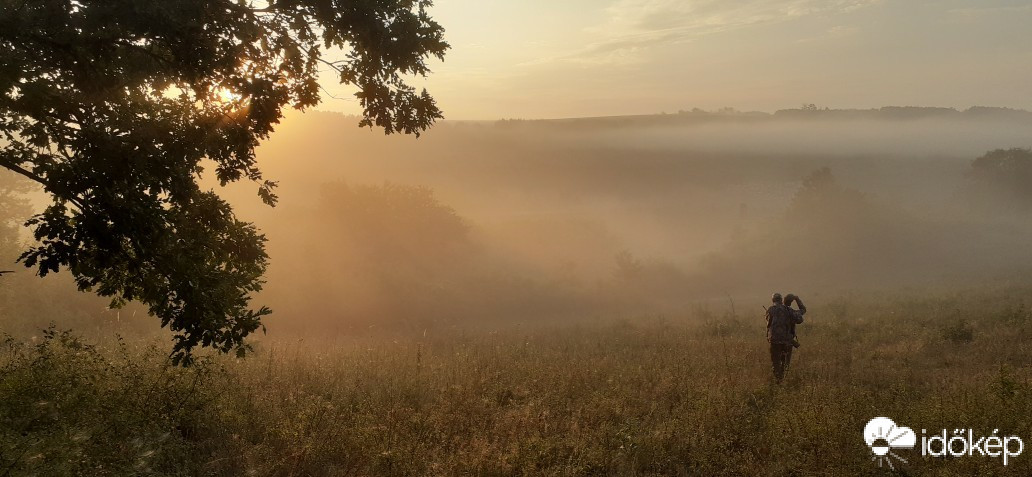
x: 684, y: 395
x: 290, y: 239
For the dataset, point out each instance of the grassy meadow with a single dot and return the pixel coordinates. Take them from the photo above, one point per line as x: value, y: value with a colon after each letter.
x: 685, y: 395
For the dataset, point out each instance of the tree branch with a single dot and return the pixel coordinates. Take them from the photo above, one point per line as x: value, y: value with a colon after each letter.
x: 46, y: 186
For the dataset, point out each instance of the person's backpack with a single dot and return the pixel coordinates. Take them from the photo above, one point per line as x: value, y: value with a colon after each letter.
x: 781, y: 326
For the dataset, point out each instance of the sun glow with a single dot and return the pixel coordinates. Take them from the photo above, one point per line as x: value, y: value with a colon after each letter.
x: 227, y: 96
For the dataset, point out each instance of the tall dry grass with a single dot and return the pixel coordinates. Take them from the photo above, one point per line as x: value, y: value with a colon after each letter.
x: 679, y: 396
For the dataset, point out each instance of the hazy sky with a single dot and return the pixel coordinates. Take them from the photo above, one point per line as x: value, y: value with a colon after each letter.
x: 570, y: 58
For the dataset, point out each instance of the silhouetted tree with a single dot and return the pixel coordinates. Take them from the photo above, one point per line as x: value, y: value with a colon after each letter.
x: 111, y: 105
x: 1004, y: 175
x: 393, y: 225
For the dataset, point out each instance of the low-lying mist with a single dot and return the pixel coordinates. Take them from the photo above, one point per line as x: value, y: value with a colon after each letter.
x: 550, y: 221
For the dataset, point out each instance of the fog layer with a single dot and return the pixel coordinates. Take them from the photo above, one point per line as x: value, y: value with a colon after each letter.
x: 514, y: 222
x: 547, y: 220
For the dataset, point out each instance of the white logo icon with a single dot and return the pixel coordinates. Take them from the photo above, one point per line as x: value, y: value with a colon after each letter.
x: 882, y: 435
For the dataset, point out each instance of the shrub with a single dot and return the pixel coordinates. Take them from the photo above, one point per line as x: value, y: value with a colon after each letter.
x: 69, y: 408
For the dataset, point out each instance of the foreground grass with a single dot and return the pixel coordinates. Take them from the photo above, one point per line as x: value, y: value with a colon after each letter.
x: 652, y: 397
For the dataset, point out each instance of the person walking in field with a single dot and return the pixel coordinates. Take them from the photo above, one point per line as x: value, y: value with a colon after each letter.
x: 781, y: 323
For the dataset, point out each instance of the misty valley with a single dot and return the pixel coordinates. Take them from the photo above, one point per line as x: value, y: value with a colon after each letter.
x: 573, y: 297
x: 515, y: 238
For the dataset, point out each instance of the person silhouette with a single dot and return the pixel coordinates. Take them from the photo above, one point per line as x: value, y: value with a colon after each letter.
x: 781, y: 323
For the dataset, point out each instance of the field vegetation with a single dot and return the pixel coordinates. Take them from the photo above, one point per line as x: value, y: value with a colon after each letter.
x: 676, y: 395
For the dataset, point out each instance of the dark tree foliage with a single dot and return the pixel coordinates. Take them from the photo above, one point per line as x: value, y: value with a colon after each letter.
x: 112, y: 105
x: 1005, y: 175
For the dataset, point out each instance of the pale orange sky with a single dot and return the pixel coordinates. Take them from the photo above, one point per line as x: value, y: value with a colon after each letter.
x: 571, y: 58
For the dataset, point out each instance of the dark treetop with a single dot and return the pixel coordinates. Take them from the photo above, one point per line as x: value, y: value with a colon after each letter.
x: 112, y: 105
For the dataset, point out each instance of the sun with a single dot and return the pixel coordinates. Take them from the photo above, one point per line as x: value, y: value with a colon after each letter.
x: 226, y: 96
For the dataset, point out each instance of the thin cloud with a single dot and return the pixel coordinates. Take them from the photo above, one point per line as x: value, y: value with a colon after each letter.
x: 990, y: 10
x: 839, y: 31
x: 637, y: 25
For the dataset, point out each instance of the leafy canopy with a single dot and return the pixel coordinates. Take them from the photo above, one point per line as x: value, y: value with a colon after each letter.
x: 1005, y: 175
x: 112, y: 105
